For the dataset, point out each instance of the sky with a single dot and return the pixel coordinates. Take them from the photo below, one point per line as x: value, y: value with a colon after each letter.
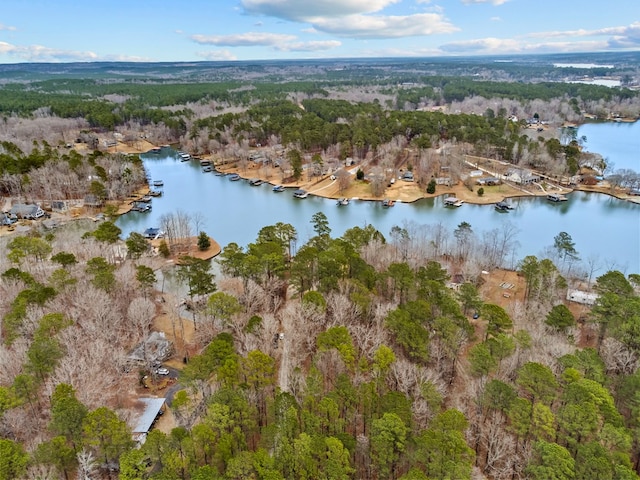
x: 198, y: 30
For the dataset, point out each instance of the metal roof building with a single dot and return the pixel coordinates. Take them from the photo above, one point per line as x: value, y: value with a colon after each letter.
x: 152, y: 408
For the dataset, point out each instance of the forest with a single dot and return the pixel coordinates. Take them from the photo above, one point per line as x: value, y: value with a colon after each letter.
x: 349, y: 357
x: 373, y: 355
x: 369, y: 110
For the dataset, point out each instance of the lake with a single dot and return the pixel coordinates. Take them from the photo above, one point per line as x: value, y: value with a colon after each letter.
x: 618, y: 142
x: 235, y: 212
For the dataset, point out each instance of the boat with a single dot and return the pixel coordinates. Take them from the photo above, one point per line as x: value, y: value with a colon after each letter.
x: 204, y: 162
x: 556, y: 197
x: 278, y: 188
x: 145, y: 199
x: 387, y: 202
x: 234, y: 177
x: 207, y: 168
x: 155, y: 193
x: 254, y: 182
x: 154, y: 151
x: 158, y: 183
x: 300, y: 193
x: 503, y: 206
x: 453, y: 202
x: 343, y: 202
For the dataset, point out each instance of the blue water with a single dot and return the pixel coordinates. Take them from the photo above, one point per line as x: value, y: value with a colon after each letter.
x: 616, y: 142
x: 235, y: 212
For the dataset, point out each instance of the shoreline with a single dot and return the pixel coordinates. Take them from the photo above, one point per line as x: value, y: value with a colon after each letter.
x: 411, y: 192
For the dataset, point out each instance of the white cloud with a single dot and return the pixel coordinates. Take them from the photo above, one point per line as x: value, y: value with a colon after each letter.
x: 494, y: 46
x: 378, y: 26
x: 217, y: 55
x: 352, y: 18
x: 495, y: 19
x: 313, y: 46
x: 622, y: 37
x: 248, y: 39
x: 7, y: 27
x: 39, y: 53
x: 493, y: 2
x: 617, y: 38
x: 632, y: 31
x: 125, y: 58
x: 301, y: 10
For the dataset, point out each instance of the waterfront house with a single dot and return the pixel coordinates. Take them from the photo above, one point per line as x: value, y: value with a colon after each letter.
x: 522, y: 176
x: 28, y: 211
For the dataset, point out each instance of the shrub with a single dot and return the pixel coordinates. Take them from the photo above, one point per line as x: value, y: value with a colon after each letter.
x: 203, y: 241
x: 163, y: 248
x: 480, y: 191
x: 431, y: 188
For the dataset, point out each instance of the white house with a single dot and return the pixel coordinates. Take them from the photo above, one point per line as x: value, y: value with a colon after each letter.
x: 584, y: 298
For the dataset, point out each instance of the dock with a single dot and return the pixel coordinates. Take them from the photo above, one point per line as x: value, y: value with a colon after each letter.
x: 453, y: 202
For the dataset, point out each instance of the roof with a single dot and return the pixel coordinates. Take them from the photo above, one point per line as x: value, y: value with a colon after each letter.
x: 152, y: 407
x: 24, y: 209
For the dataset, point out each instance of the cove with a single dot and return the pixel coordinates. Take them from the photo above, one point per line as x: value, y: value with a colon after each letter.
x: 599, y: 225
x: 617, y: 142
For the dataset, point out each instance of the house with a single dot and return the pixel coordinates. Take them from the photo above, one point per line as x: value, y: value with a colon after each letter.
x: 584, y: 298
x: 407, y: 177
x: 522, y: 177
x: 28, y: 211
x: 59, y: 206
x: 488, y: 181
x: 456, y: 281
x: 151, y: 408
x: 93, y: 201
x: 155, y: 347
x: 7, y: 219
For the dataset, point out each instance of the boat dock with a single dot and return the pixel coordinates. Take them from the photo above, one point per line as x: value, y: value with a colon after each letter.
x: 453, y: 202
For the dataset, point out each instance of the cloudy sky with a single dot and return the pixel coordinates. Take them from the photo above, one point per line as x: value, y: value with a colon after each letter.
x: 192, y: 30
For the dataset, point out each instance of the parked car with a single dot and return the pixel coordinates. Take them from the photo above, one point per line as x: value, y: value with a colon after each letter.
x: 162, y: 371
